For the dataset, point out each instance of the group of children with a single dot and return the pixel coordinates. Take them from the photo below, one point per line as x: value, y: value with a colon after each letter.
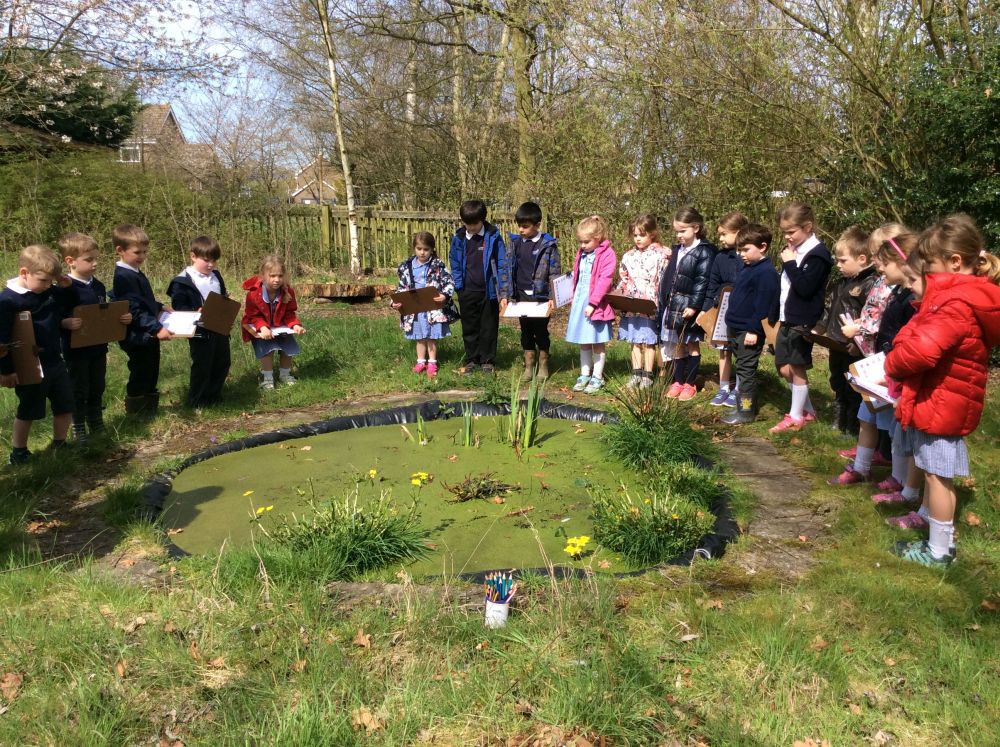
x: 73, y: 378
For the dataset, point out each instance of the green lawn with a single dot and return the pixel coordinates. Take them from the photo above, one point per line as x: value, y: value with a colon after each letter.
x: 864, y: 650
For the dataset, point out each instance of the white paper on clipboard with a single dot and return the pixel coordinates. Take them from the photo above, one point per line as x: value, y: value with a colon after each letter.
x: 180, y: 323
x: 562, y: 290
x: 720, y: 334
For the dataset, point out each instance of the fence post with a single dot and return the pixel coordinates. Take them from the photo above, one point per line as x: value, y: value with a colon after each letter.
x: 324, y: 233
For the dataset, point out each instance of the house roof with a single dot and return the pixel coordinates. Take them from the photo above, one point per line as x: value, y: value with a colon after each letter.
x: 154, y: 119
x: 313, y: 165
x: 300, y: 190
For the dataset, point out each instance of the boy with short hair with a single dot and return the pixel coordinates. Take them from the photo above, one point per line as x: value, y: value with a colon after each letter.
x: 478, y: 265
x: 87, y: 365
x: 142, y: 342
x: 533, y: 261
x: 847, y: 296
x: 755, y: 290
x: 210, y: 357
x: 32, y: 291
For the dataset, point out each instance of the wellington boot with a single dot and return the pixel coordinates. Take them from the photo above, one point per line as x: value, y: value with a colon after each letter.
x: 152, y: 403
x: 543, y: 364
x: 135, y: 405
x: 744, y: 414
x: 529, y: 365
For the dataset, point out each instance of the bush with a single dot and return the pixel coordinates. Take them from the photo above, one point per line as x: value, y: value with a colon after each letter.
x: 687, y: 481
x: 354, y: 538
x: 649, y: 531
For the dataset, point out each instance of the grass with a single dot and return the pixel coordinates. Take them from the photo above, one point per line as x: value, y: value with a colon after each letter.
x: 864, y: 649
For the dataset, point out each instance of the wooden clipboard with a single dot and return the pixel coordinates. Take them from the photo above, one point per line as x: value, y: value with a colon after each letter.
x: 24, y: 351
x: 630, y: 305
x: 827, y: 342
x: 100, y: 324
x: 417, y: 300
x: 770, y: 332
x: 218, y: 314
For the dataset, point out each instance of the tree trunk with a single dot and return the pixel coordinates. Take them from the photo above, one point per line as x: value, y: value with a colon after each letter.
x: 458, y: 112
x: 523, y: 109
x: 410, y: 115
x: 345, y: 161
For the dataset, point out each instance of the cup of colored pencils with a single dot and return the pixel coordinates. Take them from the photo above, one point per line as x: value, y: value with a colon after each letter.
x: 500, y: 589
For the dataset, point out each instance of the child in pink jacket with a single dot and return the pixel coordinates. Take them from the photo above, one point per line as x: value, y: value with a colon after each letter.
x: 590, y: 315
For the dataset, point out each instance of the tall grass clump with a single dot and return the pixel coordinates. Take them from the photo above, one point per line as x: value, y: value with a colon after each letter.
x: 355, y: 538
x: 651, y: 530
x: 652, y: 430
x: 522, y: 423
x: 685, y: 480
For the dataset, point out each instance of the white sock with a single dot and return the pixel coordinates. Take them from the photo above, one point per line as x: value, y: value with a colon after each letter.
x: 900, y: 466
x: 268, y: 375
x: 800, y: 395
x: 808, y: 406
x: 912, y: 493
x: 863, y: 460
x: 724, y: 386
x: 940, y: 536
x: 586, y: 358
x: 284, y: 372
x: 432, y: 360
x: 421, y: 360
x: 923, y: 510
x: 599, y: 364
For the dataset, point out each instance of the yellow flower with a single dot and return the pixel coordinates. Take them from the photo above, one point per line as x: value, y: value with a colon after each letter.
x: 647, y: 501
x: 674, y: 516
x: 260, y: 510
x: 372, y: 474
x: 269, y: 508
x: 415, y: 481
x: 249, y: 492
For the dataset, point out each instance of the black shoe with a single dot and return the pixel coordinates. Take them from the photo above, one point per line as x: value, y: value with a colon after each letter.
x: 19, y: 456
x: 468, y: 368
x: 487, y: 368
x: 744, y: 414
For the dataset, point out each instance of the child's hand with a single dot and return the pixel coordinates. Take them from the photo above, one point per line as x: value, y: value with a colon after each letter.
x: 750, y: 339
x: 439, y: 298
x: 552, y: 305
x: 395, y: 305
x: 299, y: 329
x: 689, y: 313
x: 167, y: 308
x: 72, y: 322
x: 164, y: 334
x: 503, y: 305
x: 850, y: 330
x: 126, y: 318
x: 787, y: 254
x: 8, y: 380
x: 264, y: 333
x: 588, y: 311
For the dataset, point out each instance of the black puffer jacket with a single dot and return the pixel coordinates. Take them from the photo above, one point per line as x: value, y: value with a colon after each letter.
x: 684, y: 286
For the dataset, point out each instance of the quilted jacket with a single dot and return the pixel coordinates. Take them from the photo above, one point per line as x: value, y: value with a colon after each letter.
x: 437, y: 276
x: 257, y: 312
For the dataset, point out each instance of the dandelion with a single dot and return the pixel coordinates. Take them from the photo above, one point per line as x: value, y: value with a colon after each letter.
x: 372, y: 474
x: 269, y: 508
x: 674, y: 517
x: 260, y: 510
x: 248, y: 493
x: 575, y: 546
x: 415, y: 481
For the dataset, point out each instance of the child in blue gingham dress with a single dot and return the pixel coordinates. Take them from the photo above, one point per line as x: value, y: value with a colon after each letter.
x: 421, y: 270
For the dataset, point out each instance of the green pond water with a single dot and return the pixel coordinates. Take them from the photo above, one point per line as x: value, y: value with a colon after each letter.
x: 212, y: 503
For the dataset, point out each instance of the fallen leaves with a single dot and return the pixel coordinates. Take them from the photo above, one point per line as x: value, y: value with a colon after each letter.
x: 603, y: 564
x: 818, y: 644
x: 362, y: 639
x: 520, y: 512
x: 174, y: 531
x: 809, y: 742
x: 971, y: 519
x: 217, y: 663
x: 10, y: 684
x: 889, y: 661
x: 299, y: 665
x: 121, y: 667
x: 39, y: 527
x: 990, y: 605
x: 362, y: 718
x: 710, y: 604
x: 498, y: 500
x: 687, y: 637
x: 134, y: 625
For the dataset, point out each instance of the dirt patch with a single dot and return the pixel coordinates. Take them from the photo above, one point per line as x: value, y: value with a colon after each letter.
x: 785, y: 526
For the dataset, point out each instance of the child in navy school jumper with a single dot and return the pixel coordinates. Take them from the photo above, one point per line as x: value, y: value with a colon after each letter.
x: 32, y: 291
x: 88, y: 366
x: 533, y: 262
x: 726, y: 264
x: 754, y: 292
x: 847, y: 297
x: 142, y: 342
x: 806, y: 265
x: 477, y: 257
x: 210, y: 357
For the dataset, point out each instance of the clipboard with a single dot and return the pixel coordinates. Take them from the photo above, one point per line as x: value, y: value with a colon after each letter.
x: 24, y: 351
x: 770, y: 332
x: 631, y: 305
x: 180, y: 323
x: 562, y: 289
x: 713, y: 320
x: 827, y: 342
x: 218, y: 314
x: 417, y: 300
x: 533, y: 309
x: 100, y: 324
x: 862, y: 376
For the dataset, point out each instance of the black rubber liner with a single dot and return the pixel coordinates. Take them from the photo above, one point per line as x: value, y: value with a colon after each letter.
x: 712, y: 545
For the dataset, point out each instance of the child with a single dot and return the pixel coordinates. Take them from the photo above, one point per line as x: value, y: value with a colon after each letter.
x: 210, y: 357
x: 806, y: 265
x: 640, y: 272
x: 895, y: 310
x: 39, y: 268
x: 142, y: 341
x: 752, y: 297
x: 847, y: 297
x: 590, y: 314
x: 533, y: 260
x: 724, y: 268
x: 421, y: 270
x: 477, y: 257
x: 941, y: 358
x: 270, y: 305
x: 683, y: 288
x: 87, y: 366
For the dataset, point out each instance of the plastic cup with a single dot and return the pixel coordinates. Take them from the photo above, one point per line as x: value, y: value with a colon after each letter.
x: 496, y: 613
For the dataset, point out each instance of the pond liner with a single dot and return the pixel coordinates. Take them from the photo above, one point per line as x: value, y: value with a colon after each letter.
x: 711, y: 545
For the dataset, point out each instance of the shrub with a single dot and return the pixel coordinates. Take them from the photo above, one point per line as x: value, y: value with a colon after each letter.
x: 651, y: 530
x: 356, y: 538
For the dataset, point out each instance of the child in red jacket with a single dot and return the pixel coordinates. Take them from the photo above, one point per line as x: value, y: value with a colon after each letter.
x: 941, y: 358
x: 269, y: 320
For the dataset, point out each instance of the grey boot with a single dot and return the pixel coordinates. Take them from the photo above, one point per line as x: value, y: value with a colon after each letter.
x: 744, y: 414
x: 543, y: 364
x: 529, y: 365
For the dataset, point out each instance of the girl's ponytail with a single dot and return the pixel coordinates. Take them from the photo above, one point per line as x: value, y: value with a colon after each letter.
x: 989, y: 266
